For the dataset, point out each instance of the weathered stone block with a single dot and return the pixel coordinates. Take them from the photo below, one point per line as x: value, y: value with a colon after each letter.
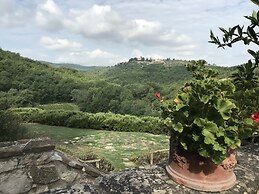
x: 8, y: 165
x: 15, y: 182
x: 9, y: 151
x: 38, y: 145
x: 44, y: 174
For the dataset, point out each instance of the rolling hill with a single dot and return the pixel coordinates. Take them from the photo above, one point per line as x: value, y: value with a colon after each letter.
x: 126, y: 88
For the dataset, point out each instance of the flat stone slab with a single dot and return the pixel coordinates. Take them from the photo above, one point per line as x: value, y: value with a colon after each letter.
x: 20, y: 147
x: 153, y: 180
x: 44, y: 174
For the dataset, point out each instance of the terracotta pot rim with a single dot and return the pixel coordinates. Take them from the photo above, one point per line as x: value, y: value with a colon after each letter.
x: 199, y: 173
x: 202, y: 185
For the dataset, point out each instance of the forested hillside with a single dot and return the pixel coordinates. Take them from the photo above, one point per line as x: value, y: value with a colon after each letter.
x: 126, y: 88
x: 73, y: 66
x: 24, y: 82
x: 164, y: 72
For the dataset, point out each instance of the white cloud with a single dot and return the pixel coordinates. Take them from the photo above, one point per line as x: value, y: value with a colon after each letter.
x: 59, y: 44
x: 175, y: 29
x: 99, y: 54
x: 103, y: 23
x: 140, y: 28
x: 137, y: 53
x: 96, y: 57
x: 153, y: 34
x: 49, y: 16
x: 12, y: 14
x: 98, y: 22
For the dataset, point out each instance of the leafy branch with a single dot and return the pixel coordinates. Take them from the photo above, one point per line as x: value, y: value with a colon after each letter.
x: 246, y: 95
x: 248, y: 35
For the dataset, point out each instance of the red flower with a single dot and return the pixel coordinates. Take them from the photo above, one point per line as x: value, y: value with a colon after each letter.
x: 158, y: 95
x: 255, y: 117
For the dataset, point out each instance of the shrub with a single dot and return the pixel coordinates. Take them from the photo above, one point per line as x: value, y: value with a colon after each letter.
x: 10, y: 127
x: 79, y: 120
x: 27, y: 114
x: 59, y: 106
x: 98, y: 121
x: 54, y: 117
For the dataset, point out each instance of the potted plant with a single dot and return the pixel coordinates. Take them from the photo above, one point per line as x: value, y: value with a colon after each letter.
x: 208, y: 119
x: 204, y: 131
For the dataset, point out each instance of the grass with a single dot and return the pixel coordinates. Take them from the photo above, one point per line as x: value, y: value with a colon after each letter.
x: 118, y: 148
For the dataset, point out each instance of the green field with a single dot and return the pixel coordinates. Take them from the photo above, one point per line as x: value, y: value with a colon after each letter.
x: 118, y: 148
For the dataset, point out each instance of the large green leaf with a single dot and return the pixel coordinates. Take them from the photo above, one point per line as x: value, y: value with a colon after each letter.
x: 205, y: 98
x: 248, y: 122
x: 209, y: 137
x: 183, y: 101
x: 209, y: 152
x: 203, y: 151
x: 199, y: 122
x: 228, y: 86
x: 218, y: 147
x: 184, y: 97
x: 237, y: 144
x: 196, y: 137
x: 205, y: 123
x: 179, y: 106
x: 224, y: 107
x: 167, y: 122
x: 184, y: 144
x: 211, y: 126
x: 218, y: 157
x: 233, y: 144
x: 209, y: 130
x: 229, y: 141
x: 178, y: 127
x: 220, y: 132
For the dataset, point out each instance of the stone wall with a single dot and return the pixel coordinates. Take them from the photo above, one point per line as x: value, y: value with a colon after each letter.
x: 153, y: 179
x: 34, y: 166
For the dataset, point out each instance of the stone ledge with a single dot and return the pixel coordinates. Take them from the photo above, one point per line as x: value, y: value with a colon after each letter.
x: 32, y: 166
x: 153, y: 180
x: 17, y: 148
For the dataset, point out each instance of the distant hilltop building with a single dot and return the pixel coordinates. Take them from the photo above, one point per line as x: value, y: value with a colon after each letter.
x: 141, y: 58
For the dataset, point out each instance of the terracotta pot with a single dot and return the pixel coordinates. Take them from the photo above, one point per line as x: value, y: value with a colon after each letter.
x: 197, y: 172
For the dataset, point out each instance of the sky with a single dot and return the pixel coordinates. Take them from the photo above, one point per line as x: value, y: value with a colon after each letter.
x: 106, y: 32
